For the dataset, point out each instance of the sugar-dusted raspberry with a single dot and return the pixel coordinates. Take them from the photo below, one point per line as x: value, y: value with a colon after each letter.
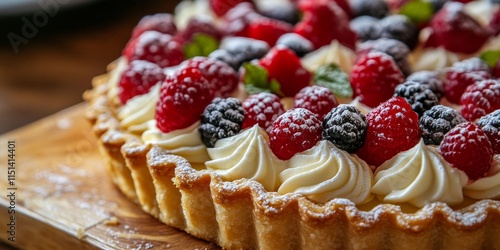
x: 367, y: 28
x: 467, y: 148
x: 294, y: 131
x: 183, y: 97
x: 221, y: 119
x: 138, y: 78
x: 345, y: 127
x: 438, y: 121
x: 268, y: 30
x: 317, y: 99
x: 472, y: 64
x: 392, y: 128
x: 401, y: 28
x: 296, y: 42
x: 161, y: 22
x: 221, y: 77
x: 198, y: 26
x: 262, y: 108
x: 418, y: 95
x: 395, y: 48
x: 374, y: 8
x: 457, y: 80
x: 155, y: 47
x: 236, y: 21
x: 490, y: 124
x: 374, y: 78
x: 221, y: 7
x: 430, y: 78
x: 480, y: 99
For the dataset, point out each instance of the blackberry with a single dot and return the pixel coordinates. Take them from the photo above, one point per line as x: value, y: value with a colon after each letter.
x: 221, y: 119
x: 430, y: 78
x: 374, y: 8
x: 366, y: 27
x: 283, y: 12
x: 437, y: 121
x: 395, y: 48
x: 345, y: 127
x: 225, y: 56
x: 418, y: 95
x: 297, y: 43
x: 401, y: 28
x: 472, y: 64
x: 244, y: 49
x: 490, y: 124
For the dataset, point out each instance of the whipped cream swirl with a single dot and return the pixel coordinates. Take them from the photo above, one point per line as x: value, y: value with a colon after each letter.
x: 335, y: 53
x: 432, y: 59
x: 139, y: 110
x: 324, y: 172
x: 487, y: 187
x: 419, y: 176
x: 246, y: 155
x: 114, y: 78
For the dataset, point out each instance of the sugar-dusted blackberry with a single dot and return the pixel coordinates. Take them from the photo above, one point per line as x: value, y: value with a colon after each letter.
x: 282, y: 11
x: 221, y: 119
x: 430, y: 78
x: 472, y: 64
x: 490, y: 124
x: 225, y: 56
x: 437, y: 121
x: 244, y: 49
x: 367, y: 28
x: 418, y: 95
x: 297, y: 43
x: 395, y: 48
x: 401, y: 28
x: 374, y: 8
x: 345, y: 127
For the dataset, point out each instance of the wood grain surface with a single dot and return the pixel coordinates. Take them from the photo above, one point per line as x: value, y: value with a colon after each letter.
x: 64, y: 199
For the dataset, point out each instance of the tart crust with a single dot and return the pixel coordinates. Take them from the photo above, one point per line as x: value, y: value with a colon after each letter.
x: 241, y: 214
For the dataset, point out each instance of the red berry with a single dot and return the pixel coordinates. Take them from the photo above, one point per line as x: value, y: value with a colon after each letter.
x: 138, y: 78
x: 162, y: 22
x: 480, y: 99
x: 495, y: 72
x: 237, y: 20
x: 199, y: 26
x: 183, y: 98
x: 467, y: 148
x: 393, y: 127
x: 451, y: 26
x: 294, y: 131
x: 457, y: 80
x: 268, y: 30
x: 155, y: 47
x: 317, y: 99
x: 222, y: 78
x: 221, y: 7
x: 374, y: 78
x: 494, y: 24
x: 490, y: 124
x: 283, y: 65
x: 262, y: 108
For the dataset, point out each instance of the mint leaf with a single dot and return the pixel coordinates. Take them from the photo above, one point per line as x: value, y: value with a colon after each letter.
x: 418, y: 11
x: 491, y: 57
x: 333, y: 78
x: 256, y: 80
x: 202, y: 45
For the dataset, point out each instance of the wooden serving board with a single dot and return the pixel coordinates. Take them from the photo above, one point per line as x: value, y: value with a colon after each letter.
x: 64, y: 197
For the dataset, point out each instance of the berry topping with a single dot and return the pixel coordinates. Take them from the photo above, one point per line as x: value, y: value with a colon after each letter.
x: 283, y: 65
x: 467, y: 148
x: 183, y: 97
x: 235, y: 22
x: 392, y: 128
x: 401, y: 28
x: 374, y: 8
x: 138, y: 78
x: 429, y: 78
x: 480, y: 99
x: 366, y: 27
x: 374, y: 78
x: 262, y: 108
x: 456, y: 81
x: 395, y: 48
x: 418, y: 95
x: 490, y: 124
x: 294, y: 131
x: 437, y: 121
x: 472, y: 64
x: 221, y: 119
x: 225, y: 56
x: 496, y: 70
x: 494, y: 24
x: 155, y: 47
x: 284, y: 12
x: 244, y: 49
x: 317, y: 99
x: 221, y: 7
x: 197, y: 26
x: 345, y: 127
x: 268, y: 30
x: 221, y: 77
x: 297, y: 43
x: 162, y: 22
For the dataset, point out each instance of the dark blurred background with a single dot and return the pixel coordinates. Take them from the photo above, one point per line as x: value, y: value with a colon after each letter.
x: 49, y: 55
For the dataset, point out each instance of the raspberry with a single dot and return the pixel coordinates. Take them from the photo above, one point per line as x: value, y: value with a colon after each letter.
x: 374, y: 8
x: 392, y: 128
x: 161, y: 22
x: 472, y: 64
x: 244, y: 49
x: 262, y: 108
x: 297, y: 43
x: 490, y: 124
x: 155, y: 47
x: 438, y: 121
x: 401, y: 28
x: 480, y: 99
x: 294, y: 131
x: 456, y: 81
x: 467, y: 148
x: 374, y: 78
x: 496, y: 70
x: 317, y: 99
x: 418, y: 95
x: 221, y: 77
x: 236, y: 21
x: 395, y: 48
x: 197, y: 26
x: 221, y: 119
x: 183, y: 97
x: 366, y: 27
x: 430, y: 78
x: 268, y: 30
x: 138, y: 78
x: 284, y: 66
x: 221, y: 7
x: 345, y: 127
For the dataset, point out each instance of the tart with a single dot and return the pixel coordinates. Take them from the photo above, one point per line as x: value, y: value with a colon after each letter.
x: 279, y: 134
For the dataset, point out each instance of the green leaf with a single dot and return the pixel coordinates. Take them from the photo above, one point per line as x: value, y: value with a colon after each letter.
x: 491, y: 57
x: 418, y: 11
x: 332, y: 77
x: 202, y: 45
x: 256, y: 80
